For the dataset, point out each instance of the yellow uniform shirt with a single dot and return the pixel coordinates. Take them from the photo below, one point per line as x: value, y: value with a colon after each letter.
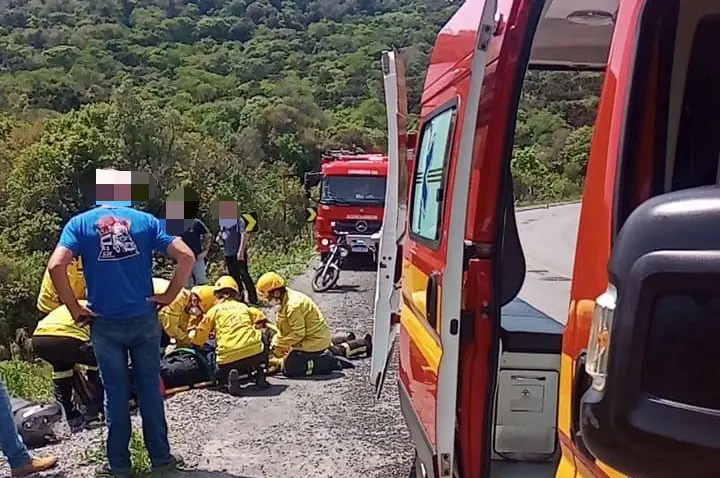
x: 236, y: 337
x: 48, y: 299
x: 173, y: 318
x: 59, y: 323
x: 301, y: 325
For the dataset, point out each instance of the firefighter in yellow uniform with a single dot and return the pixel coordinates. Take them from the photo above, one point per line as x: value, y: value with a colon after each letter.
x: 48, y: 299
x: 183, y: 313
x: 304, y: 338
x: 240, y: 349
x: 62, y: 343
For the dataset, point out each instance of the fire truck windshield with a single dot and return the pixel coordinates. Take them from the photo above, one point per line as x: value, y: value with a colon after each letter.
x: 358, y: 190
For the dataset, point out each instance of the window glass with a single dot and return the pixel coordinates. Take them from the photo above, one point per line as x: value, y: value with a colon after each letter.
x: 357, y: 190
x: 428, y: 194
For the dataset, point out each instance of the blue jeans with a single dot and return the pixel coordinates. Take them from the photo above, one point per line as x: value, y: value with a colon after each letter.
x: 113, y: 340
x: 12, y: 446
x: 199, y: 275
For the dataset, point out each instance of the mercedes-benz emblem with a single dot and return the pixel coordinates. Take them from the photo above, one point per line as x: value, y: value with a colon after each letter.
x: 361, y: 226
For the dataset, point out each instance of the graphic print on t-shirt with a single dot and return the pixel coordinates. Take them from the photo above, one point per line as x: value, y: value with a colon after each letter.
x: 116, y: 243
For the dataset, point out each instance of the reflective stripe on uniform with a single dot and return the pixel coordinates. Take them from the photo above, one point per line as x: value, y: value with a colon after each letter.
x: 357, y: 351
x: 310, y: 367
x: 91, y: 369
x: 63, y: 374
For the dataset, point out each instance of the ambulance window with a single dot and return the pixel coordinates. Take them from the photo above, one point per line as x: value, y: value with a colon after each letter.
x: 428, y: 190
x: 672, y: 134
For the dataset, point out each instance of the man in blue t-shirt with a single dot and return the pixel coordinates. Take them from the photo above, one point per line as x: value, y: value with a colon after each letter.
x: 116, y: 244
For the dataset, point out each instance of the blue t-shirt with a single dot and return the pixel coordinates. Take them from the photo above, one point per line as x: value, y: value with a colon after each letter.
x: 116, y: 246
x: 230, y: 230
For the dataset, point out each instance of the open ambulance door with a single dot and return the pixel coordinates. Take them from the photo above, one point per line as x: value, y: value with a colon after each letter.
x: 453, y: 286
x: 387, y: 289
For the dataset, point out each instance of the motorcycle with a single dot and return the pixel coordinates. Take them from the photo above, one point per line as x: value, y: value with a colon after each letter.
x: 328, y: 273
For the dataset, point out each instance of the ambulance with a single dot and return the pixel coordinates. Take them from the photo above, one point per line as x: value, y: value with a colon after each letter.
x: 629, y: 387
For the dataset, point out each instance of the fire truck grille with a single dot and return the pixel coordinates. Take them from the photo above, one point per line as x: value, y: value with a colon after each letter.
x: 358, y: 227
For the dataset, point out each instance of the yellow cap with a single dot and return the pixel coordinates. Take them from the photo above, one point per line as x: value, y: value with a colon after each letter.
x: 205, y: 294
x: 226, y: 282
x: 256, y: 314
x: 268, y: 282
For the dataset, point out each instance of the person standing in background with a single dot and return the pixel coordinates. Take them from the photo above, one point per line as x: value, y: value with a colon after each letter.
x: 181, y: 213
x: 116, y: 244
x: 234, y: 238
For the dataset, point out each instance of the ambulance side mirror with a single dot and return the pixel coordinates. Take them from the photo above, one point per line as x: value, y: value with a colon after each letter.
x: 654, y: 352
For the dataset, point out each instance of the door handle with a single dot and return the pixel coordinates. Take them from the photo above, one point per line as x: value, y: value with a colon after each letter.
x: 432, y: 299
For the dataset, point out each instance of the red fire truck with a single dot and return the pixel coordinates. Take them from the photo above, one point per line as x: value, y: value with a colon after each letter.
x: 352, y: 200
x: 488, y: 386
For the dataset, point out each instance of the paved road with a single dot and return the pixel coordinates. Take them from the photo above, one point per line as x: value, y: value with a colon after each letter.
x: 548, y: 237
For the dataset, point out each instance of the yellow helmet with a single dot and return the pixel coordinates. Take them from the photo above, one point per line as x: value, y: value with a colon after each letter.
x: 226, y: 282
x: 205, y: 294
x: 268, y: 282
x: 257, y: 315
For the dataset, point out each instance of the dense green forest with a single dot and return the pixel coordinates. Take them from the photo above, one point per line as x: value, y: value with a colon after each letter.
x: 232, y: 97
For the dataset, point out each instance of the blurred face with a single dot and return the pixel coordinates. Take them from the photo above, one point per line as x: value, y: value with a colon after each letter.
x: 193, y: 307
x: 275, y: 297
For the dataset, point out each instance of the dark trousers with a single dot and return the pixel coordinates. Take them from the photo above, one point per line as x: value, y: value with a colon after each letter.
x: 303, y: 364
x: 350, y: 348
x: 246, y: 366
x: 62, y: 353
x: 239, y: 271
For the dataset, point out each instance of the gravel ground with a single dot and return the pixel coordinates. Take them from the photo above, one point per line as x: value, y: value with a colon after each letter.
x: 315, y: 428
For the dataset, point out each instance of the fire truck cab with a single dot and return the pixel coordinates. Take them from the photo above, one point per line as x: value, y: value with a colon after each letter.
x: 352, y: 200
x: 631, y: 389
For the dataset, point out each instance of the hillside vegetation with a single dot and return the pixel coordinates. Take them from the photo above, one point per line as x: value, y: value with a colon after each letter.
x: 232, y: 97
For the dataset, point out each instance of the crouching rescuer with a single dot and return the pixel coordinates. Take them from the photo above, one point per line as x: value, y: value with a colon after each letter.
x: 304, y: 340
x: 240, y: 349
x: 62, y: 343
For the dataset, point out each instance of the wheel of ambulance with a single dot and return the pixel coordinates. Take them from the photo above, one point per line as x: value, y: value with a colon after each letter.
x: 322, y: 282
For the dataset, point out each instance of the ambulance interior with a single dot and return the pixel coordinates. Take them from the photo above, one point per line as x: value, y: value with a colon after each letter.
x: 671, y: 141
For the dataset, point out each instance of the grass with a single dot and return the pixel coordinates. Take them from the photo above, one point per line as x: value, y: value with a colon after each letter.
x: 96, y: 455
x: 34, y: 382
x: 287, y: 261
x: 28, y: 381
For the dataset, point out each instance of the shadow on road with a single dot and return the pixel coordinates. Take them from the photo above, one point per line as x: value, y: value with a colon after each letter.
x: 272, y: 391
x: 315, y: 378
x: 341, y: 289
x: 358, y: 264
x: 203, y: 474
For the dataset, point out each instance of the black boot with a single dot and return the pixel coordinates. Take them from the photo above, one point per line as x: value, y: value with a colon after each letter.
x: 260, y: 378
x: 234, y: 385
x: 341, y: 363
x: 63, y: 394
x: 368, y: 345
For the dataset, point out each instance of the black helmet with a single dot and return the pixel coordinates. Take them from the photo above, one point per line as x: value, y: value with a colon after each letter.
x: 39, y: 423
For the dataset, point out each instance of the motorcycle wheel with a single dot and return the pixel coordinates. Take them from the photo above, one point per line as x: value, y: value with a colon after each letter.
x: 322, y: 282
